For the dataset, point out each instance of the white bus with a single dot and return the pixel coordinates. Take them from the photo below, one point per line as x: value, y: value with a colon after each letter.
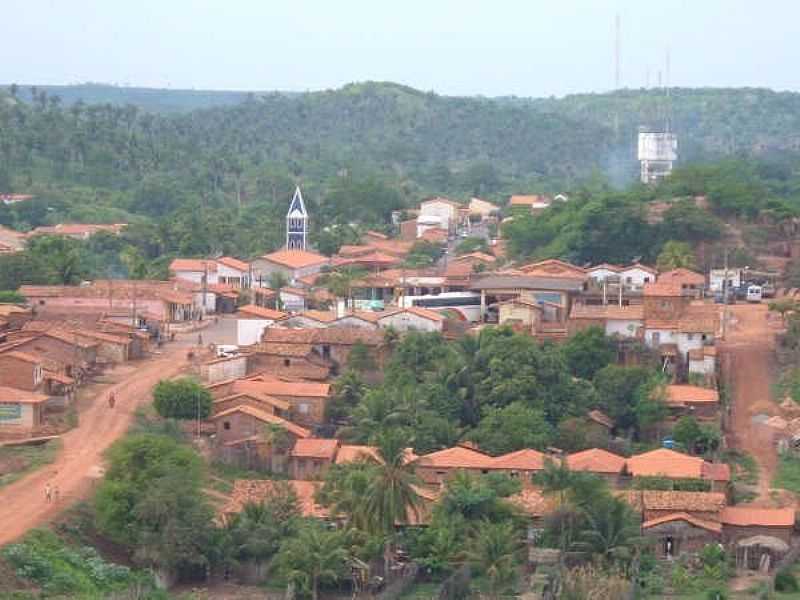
x: 754, y: 293
x: 466, y: 304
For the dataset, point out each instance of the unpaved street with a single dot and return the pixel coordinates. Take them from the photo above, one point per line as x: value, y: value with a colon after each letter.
x: 23, y: 505
x: 749, y: 348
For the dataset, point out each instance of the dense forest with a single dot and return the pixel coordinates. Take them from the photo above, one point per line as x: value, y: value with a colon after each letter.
x: 217, y: 178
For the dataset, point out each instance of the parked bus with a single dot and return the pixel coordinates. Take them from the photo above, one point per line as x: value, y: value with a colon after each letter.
x: 468, y: 304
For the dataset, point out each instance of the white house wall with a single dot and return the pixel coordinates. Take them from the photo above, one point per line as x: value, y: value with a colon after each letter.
x: 622, y: 328
x: 248, y: 331
x: 408, y: 322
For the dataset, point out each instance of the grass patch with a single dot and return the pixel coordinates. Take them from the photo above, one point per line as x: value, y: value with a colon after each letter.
x: 787, y: 476
x: 18, y: 461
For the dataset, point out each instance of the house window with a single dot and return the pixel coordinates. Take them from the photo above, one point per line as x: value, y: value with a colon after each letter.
x: 287, y: 362
x: 629, y: 280
x: 690, y: 336
x: 656, y: 337
x: 664, y: 304
x: 226, y: 425
x: 647, y: 280
x: 303, y: 408
x: 41, y: 302
x: 326, y: 351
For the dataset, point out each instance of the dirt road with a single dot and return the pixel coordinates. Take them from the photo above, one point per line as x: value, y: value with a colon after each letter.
x: 749, y: 348
x: 77, y: 467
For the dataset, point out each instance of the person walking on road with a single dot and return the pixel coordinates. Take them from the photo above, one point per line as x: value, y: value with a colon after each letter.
x: 48, y: 492
x: 112, y: 400
x: 55, y: 494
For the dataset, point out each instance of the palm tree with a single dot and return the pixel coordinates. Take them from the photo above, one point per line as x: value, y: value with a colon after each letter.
x: 613, y: 532
x: 555, y: 480
x: 277, y: 281
x: 495, y: 552
x: 314, y: 556
x: 391, y: 496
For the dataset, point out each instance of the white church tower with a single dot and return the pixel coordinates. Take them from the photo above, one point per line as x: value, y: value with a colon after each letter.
x: 297, y: 223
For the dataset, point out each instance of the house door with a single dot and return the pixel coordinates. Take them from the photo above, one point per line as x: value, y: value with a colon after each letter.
x: 669, y: 547
x: 656, y: 338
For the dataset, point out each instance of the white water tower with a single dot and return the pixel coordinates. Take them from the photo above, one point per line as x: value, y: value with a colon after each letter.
x: 658, y: 150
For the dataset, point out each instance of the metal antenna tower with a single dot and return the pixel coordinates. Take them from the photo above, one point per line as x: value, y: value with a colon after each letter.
x: 617, y: 44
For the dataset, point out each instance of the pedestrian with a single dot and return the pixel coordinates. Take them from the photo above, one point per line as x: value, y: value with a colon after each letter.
x: 55, y: 493
x: 48, y: 492
x: 112, y: 400
x: 199, y: 339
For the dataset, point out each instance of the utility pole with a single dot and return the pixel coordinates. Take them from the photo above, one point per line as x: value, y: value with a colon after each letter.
x: 725, y: 297
x: 133, y: 304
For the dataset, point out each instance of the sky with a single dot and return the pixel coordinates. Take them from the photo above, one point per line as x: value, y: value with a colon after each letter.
x: 455, y: 47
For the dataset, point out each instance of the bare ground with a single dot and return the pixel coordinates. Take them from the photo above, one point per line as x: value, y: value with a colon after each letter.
x: 79, y: 462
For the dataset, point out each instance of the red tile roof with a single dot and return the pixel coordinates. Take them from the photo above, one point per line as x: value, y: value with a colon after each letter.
x: 665, y: 463
x: 295, y: 259
x: 256, y: 390
x: 17, y: 396
x: 23, y: 356
x: 351, y: 453
x: 256, y: 491
x: 456, y: 457
x: 753, y: 516
x: 423, y: 313
x: 315, y: 448
x: 265, y: 417
x: 596, y: 460
x: 681, y: 277
x: 480, y: 256
x: 528, y: 200
x: 689, y: 502
x: 598, y: 416
x: 662, y: 289
x: 252, y: 310
x: 276, y: 386
x: 681, y: 516
x: 192, y: 264
x: 680, y: 395
x: 526, y: 459
x: 234, y: 263
x: 634, y: 312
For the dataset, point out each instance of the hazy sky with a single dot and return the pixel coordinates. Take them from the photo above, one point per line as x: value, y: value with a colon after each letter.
x: 490, y: 47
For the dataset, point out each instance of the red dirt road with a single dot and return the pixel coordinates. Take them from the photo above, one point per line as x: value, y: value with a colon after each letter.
x: 750, y: 349
x: 22, y: 503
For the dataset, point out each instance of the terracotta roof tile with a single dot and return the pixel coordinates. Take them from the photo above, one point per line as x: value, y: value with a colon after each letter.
x: 234, y: 263
x: 634, y: 312
x: 456, y: 457
x: 315, y: 448
x: 275, y: 386
x: 252, y: 310
x: 690, y: 394
x: 665, y: 463
x: 295, y: 259
x: 256, y: 491
x: 351, y: 453
x: 522, y: 460
x: 423, y: 313
x: 14, y: 395
x: 23, y: 356
x: 716, y: 471
x: 480, y: 256
x: 529, y: 200
x: 265, y: 417
x: 681, y: 277
x: 680, y: 516
x: 656, y: 500
x: 192, y: 264
x: 662, y: 289
x: 533, y: 503
x: 753, y: 516
x: 596, y: 460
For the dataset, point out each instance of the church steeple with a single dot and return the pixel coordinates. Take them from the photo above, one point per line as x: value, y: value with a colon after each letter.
x: 297, y: 223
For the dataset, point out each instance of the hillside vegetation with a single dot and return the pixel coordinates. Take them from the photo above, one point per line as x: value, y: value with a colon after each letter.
x: 218, y: 179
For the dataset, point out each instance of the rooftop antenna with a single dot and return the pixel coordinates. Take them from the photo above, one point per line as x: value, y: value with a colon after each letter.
x: 617, y: 28
x: 668, y: 111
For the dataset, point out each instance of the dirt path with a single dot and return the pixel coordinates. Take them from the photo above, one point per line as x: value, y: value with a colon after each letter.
x: 78, y: 465
x: 749, y: 351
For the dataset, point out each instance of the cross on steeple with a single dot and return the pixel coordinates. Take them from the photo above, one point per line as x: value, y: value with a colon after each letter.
x: 297, y: 223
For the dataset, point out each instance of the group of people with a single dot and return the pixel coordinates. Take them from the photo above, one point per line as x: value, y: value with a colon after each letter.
x: 51, y: 493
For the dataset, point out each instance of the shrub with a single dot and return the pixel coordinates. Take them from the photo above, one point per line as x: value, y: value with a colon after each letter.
x: 182, y: 399
x: 785, y: 581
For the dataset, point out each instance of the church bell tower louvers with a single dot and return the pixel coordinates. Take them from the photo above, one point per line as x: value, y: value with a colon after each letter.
x: 297, y: 223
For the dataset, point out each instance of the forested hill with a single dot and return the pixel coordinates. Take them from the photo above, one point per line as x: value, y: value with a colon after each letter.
x: 446, y: 144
